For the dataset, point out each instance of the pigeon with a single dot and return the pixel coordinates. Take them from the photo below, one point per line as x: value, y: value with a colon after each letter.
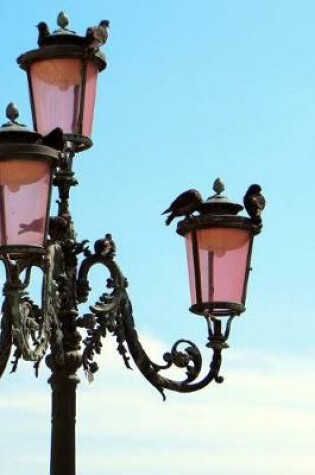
x: 254, y: 203
x: 105, y: 247
x: 43, y: 32
x: 184, y: 205
x: 96, y: 36
x: 54, y: 139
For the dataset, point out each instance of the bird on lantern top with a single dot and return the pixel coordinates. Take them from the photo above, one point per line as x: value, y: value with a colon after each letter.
x: 184, y: 205
x: 96, y: 36
x: 43, y: 32
x: 254, y: 203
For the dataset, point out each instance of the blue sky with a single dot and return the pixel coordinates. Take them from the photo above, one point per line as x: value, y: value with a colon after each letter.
x: 193, y: 91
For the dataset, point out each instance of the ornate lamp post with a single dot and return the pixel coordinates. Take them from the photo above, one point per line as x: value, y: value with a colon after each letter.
x: 62, y: 77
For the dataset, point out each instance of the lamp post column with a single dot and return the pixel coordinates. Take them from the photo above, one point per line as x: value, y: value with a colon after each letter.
x: 65, y: 358
x: 63, y: 419
x: 64, y: 379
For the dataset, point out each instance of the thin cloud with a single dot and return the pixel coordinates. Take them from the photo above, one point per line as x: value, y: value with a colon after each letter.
x: 260, y: 420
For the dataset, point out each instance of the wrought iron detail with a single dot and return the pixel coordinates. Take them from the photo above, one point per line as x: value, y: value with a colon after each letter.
x: 32, y: 329
x: 23, y: 323
x: 57, y: 324
x: 113, y: 314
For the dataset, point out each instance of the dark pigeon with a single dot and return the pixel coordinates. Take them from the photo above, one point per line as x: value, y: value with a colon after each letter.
x: 184, y: 205
x: 96, y: 36
x: 43, y: 32
x: 254, y: 203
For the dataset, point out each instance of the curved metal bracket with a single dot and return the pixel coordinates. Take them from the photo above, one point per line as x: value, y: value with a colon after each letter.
x: 113, y: 313
x: 32, y: 329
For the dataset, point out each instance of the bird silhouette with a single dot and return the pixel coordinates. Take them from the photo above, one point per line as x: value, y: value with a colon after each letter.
x: 254, y: 203
x: 96, y: 36
x: 105, y: 246
x: 184, y: 205
x: 54, y: 139
x: 43, y: 32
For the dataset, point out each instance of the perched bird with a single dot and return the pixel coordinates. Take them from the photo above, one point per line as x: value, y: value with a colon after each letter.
x: 96, y: 36
x: 43, y: 32
x: 184, y: 205
x: 254, y: 203
x: 54, y: 139
x: 106, y: 246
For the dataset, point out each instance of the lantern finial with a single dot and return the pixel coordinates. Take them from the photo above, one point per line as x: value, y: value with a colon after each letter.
x: 62, y: 20
x: 218, y: 186
x: 12, y: 112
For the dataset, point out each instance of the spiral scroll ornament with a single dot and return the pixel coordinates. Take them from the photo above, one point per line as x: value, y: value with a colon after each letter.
x: 113, y: 314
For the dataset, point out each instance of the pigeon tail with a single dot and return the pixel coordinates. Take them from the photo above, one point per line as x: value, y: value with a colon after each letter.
x: 166, y: 211
x: 169, y: 219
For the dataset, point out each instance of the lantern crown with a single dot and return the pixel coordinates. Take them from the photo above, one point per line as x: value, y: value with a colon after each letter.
x: 61, y: 43
x: 218, y: 203
x: 14, y: 132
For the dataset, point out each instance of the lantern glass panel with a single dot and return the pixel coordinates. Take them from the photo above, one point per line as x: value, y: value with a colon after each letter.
x: 89, y: 101
x: 24, y: 199
x: 57, y: 92
x: 221, y: 265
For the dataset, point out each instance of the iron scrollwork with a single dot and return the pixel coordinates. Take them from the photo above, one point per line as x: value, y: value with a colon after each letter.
x: 113, y: 314
x: 56, y: 325
x: 32, y: 329
x: 24, y: 324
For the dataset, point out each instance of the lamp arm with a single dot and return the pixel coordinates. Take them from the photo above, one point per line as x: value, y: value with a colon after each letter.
x: 113, y: 313
x: 188, y: 358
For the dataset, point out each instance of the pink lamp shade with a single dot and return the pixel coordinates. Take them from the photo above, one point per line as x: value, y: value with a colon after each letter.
x: 218, y: 263
x: 63, y: 92
x: 24, y: 201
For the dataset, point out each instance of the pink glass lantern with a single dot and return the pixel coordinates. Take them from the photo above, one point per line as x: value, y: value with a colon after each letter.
x: 219, y: 245
x: 25, y: 186
x: 62, y: 76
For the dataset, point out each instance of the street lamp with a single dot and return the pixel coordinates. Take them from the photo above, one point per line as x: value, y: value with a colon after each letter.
x: 62, y: 77
x: 219, y: 245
